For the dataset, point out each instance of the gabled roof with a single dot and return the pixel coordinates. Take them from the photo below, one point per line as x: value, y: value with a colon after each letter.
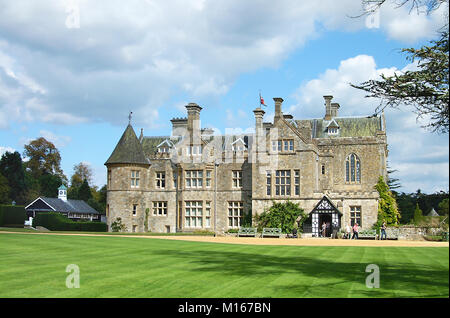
x: 332, y: 124
x: 128, y: 149
x: 58, y: 205
x: 167, y: 142
x: 325, y: 206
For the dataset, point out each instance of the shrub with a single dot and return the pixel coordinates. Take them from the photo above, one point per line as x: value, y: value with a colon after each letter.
x: 12, y: 215
x: 118, y: 226
x: 281, y: 215
x: 56, y: 222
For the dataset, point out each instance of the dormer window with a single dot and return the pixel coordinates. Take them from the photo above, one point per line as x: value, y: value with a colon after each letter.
x: 238, y: 146
x: 165, y: 146
x: 333, y: 130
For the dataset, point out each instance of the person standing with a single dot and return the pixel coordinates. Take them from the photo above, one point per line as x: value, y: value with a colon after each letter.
x: 324, y: 229
x: 348, y: 231
x: 355, y: 231
x: 383, y: 230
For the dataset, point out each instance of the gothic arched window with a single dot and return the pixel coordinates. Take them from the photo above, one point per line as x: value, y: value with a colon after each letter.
x: 352, y: 169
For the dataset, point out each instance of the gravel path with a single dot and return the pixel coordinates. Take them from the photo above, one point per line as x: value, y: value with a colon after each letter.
x: 266, y: 241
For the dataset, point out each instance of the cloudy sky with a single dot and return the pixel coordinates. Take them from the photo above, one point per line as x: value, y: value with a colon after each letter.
x: 71, y: 71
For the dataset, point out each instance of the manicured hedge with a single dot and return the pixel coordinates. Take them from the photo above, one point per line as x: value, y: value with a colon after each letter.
x: 12, y: 215
x: 57, y: 222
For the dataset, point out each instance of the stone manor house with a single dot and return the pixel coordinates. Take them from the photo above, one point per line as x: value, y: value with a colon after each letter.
x: 196, y: 179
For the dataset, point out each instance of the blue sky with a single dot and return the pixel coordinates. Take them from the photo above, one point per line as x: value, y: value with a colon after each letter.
x: 70, y: 71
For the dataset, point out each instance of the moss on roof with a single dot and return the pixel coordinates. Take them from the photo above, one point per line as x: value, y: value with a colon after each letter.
x: 128, y: 149
x: 348, y: 126
x: 149, y: 144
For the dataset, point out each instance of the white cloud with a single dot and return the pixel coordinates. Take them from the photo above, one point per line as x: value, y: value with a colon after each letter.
x: 6, y: 149
x: 420, y: 157
x: 58, y: 141
x: 139, y: 54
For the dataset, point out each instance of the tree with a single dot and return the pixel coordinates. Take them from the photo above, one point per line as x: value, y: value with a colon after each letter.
x: 393, y: 183
x: 44, y: 158
x: 425, y: 89
x: 11, y: 167
x: 84, y: 192
x: 81, y: 172
x: 406, y: 204
x: 118, y: 226
x: 4, y: 190
x: 49, y: 184
x: 387, y: 206
x: 443, y: 207
x: 280, y: 215
x: 418, y: 215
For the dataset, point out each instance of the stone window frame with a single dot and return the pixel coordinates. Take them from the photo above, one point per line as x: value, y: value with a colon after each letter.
x: 134, y: 210
x: 354, y: 210
x: 109, y: 179
x: 207, y: 214
x: 297, y: 182
x: 193, y: 212
x: 208, y: 178
x: 159, y: 208
x: 236, y: 179
x: 283, y: 145
x: 283, y: 183
x: 160, y: 179
x: 235, y: 214
x: 135, y: 178
x: 268, y: 182
x: 352, y: 169
x: 193, y: 176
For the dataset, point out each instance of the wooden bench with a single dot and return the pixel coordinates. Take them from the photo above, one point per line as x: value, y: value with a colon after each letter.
x: 269, y: 231
x: 247, y: 231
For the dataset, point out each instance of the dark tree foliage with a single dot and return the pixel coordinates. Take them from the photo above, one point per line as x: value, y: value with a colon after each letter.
x: 84, y: 193
x: 407, y: 203
x: 4, y: 190
x: 11, y: 168
x: 49, y: 184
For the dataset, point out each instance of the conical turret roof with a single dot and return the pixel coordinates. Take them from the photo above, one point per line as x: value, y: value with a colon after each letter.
x: 128, y: 149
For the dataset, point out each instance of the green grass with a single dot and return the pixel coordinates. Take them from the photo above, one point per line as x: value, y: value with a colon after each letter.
x: 34, y: 266
x: 195, y: 233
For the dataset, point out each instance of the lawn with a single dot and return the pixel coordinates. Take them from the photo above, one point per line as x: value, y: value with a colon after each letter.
x: 34, y: 266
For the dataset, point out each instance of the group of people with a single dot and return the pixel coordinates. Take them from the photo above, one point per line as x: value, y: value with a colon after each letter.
x: 352, y: 232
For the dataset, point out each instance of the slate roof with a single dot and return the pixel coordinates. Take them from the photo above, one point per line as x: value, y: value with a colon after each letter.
x: 348, y: 126
x: 149, y: 144
x: 73, y: 206
x: 128, y: 149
